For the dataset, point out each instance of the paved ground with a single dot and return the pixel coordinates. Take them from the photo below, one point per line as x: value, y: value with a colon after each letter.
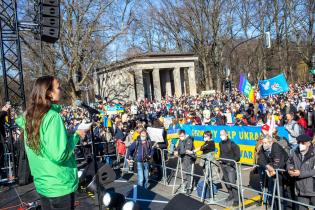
x: 155, y: 198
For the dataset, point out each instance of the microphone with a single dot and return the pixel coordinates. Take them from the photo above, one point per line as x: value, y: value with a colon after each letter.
x: 91, y: 110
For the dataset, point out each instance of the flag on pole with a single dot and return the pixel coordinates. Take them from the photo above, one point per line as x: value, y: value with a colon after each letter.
x: 273, y: 86
x: 246, y: 88
x: 272, y: 125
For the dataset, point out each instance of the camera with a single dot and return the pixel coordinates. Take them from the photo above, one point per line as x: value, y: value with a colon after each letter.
x: 146, y: 158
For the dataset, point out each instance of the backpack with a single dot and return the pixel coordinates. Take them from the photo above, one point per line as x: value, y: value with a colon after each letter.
x: 238, y: 157
x: 284, y: 144
x: 121, y: 147
x: 206, y: 191
x: 301, y: 130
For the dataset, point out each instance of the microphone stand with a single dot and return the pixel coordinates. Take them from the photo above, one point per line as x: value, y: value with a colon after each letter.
x: 98, y: 191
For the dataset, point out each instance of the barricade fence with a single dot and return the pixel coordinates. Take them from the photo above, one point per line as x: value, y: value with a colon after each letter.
x: 102, y: 157
x: 208, y: 180
x: 241, y: 188
x: 10, y: 154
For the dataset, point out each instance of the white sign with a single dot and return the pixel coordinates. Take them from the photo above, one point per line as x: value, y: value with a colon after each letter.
x: 167, y: 122
x: 134, y: 109
x: 155, y: 134
x: 208, y: 92
x: 228, y: 118
x: 206, y: 114
x: 84, y: 126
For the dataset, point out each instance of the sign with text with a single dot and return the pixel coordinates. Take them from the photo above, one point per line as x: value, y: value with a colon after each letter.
x: 244, y: 136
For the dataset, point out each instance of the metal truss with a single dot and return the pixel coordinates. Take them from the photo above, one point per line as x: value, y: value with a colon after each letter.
x: 11, y: 54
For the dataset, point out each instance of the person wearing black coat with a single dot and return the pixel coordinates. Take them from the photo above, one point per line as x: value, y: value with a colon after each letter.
x: 3, y: 114
x: 141, y: 152
x: 185, y: 151
x: 229, y: 150
x: 119, y: 134
x: 272, y: 156
x: 301, y: 167
x: 208, y: 146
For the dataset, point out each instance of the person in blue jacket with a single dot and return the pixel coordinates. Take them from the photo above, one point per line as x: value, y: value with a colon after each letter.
x: 141, y: 152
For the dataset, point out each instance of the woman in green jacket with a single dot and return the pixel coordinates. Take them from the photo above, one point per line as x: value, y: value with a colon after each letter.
x: 50, y: 150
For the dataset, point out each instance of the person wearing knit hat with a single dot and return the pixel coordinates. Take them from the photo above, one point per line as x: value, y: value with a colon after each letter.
x: 303, y: 138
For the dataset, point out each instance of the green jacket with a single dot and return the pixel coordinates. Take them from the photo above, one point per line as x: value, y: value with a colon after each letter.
x: 55, y: 170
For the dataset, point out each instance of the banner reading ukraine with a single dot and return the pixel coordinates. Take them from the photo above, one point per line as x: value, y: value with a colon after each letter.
x: 244, y: 136
x: 114, y: 109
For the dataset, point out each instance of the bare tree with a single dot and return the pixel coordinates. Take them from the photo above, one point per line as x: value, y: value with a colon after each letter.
x: 93, y: 29
x: 88, y: 27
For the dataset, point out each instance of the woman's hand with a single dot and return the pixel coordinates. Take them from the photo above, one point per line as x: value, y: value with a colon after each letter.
x: 175, y: 153
x: 6, y: 107
x: 189, y: 152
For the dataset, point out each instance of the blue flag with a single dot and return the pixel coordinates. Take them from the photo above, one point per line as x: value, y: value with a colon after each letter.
x: 273, y: 86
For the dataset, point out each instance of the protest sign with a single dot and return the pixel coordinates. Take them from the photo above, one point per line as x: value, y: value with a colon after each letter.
x: 244, y: 136
x: 155, y: 134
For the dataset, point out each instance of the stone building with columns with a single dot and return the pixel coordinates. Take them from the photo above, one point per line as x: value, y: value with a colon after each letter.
x: 151, y: 76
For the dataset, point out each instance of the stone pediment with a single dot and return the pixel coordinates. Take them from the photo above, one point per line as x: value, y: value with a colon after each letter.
x: 151, y: 76
x: 166, y: 60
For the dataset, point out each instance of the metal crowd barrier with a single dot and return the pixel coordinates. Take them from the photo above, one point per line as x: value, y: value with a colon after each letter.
x: 239, y: 183
x: 9, y: 167
x: 246, y: 188
x: 208, y: 179
x: 125, y: 167
x: 191, y: 173
x: 10, y: 153
x: 102, y: 157
x: 163, y: 165
x: 275, y: 191
x: 277, y: 185
x: 178, y: 168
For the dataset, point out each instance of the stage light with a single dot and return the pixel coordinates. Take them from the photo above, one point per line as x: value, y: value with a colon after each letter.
x: 113, y: 200
x: 107, y: 199
x: 130, y: 205
x: 80, y: 172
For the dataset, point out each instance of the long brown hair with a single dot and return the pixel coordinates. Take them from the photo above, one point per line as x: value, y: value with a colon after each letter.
x: 38, y: 105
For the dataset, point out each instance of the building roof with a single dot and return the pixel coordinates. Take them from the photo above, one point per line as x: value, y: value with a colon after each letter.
x: 149, y: 58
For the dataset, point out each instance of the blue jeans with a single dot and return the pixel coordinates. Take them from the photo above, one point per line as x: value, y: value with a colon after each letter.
x: 109, y: 160
x: 172, y: 148
x: 143, y: 169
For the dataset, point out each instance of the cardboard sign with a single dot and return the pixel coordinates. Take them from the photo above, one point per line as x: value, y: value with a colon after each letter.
x: 155, y: 134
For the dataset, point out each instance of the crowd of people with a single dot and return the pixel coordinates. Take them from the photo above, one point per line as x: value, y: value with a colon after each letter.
x: 124, y: 133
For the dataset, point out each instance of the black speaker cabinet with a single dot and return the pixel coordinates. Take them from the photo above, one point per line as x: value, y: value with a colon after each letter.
x: 181, y: 201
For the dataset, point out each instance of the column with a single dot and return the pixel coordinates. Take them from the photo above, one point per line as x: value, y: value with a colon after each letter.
x: 192, y: 81
x: 147, y: 86
x: 132, y: 88
x: 168, y: 86
x: 139, y: 84
x: 177, y: 82
x: 156, y: 84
